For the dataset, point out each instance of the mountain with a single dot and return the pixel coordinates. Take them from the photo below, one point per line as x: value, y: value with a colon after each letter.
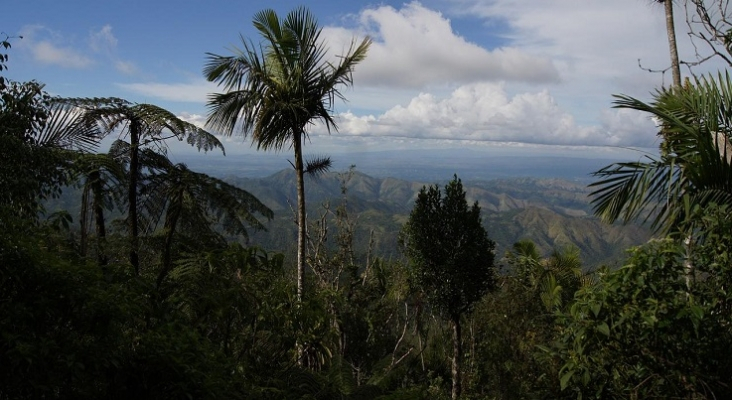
x: 554, y: 213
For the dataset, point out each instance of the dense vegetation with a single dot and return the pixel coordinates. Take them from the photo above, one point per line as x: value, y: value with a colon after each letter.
x: 165, y: 301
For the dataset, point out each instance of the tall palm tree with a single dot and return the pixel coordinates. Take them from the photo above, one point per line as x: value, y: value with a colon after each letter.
x: 146, y: 125
x: 277, y: 90
x: 694, y: 167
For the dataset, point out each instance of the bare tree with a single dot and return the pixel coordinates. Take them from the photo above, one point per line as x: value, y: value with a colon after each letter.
x: 710, y: 25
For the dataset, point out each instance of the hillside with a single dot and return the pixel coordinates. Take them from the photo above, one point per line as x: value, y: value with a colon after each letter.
x: 551, y: 212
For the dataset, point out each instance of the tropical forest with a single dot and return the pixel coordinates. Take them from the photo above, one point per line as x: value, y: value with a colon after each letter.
x: 127, y: 275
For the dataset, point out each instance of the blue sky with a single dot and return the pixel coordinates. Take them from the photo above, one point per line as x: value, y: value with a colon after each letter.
x: 523, y: 75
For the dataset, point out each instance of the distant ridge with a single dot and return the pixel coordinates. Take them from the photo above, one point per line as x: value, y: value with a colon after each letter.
x: 554, y: 213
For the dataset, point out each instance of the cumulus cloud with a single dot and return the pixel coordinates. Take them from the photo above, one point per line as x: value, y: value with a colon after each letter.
x: 562, y: 61
x: 485, y: 112
x: 601, y: 39
x: 415, y: 47
x: 195, y: 119
x: 550, y: 83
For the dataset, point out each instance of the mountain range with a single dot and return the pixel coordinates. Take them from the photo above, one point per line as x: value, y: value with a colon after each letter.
x: 554, y: 213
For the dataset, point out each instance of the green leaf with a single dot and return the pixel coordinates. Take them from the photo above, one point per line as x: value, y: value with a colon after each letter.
x: 564, y: 380
x: 595, y: 308
x: 604, y: 329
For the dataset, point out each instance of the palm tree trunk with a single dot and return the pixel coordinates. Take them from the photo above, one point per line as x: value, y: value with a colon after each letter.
x: 132, y: 194
x: 457, y: 355
x: 301, y: 220
x: 671, y: 32
x: 301, y: 230
x: 170, y: 225
x: 98, y: 209
x: 83, y: 222
x: 676, y: 74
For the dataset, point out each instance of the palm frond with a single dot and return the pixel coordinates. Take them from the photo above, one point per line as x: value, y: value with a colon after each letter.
x: 276, y: 92
x: 628, y: 190
x: 695, y: 124
x: 114, y: 174
x: 120, y: 150
x: 68, y: 128
x: 202, y: 201
x: 113, y: 114
x: 317, y: 165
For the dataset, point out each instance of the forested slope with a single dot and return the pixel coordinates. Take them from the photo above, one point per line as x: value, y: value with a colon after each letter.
x: 553, y: 213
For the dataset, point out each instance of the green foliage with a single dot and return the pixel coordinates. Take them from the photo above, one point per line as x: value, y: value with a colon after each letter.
x: 192, y: 204
x: 655, y: 327
x: 28, y: 175
x: 451, y: 258
x: 450, y: 254
x: 37, y: 134
x: 695, y: 122
x: 24, y: 109
x: 146, y: 125
x: 509, y: 326
x: 61, y: 324
x: 5, y: 44
x: 70, y: 331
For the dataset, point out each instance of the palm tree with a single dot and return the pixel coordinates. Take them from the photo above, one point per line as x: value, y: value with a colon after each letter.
x: 146, y: 125
x: 102, y: 177
x: 668, y: 6
x: 694, y: 167
x: 191, y: 202
x: 279, y: 89
x: 554, y: 279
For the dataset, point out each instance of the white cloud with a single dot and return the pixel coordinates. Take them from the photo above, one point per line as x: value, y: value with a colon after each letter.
x: 104, y: 42
x: 52, y: 51
x: 49, y: 53
x: 415, y: 47
x: 194, y: 91
x: 551, y: 83
x: 49, y: 47
x: 195, y: 119
x: 484, y: 112
x: 589, y: 41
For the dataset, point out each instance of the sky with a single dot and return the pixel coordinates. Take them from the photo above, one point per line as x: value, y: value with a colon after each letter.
x: 519, y: 76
